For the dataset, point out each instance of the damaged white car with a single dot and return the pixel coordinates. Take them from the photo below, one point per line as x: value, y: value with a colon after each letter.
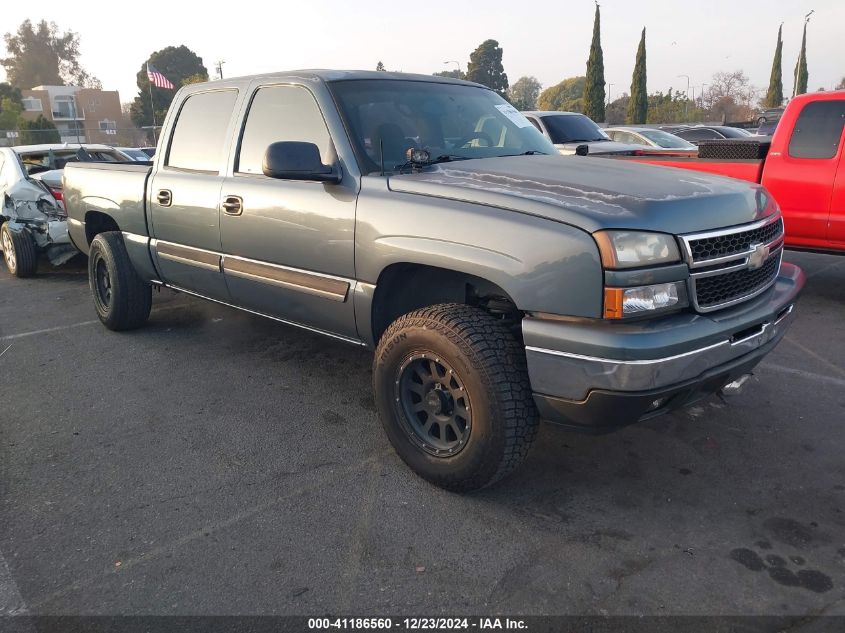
x: 32, y: 217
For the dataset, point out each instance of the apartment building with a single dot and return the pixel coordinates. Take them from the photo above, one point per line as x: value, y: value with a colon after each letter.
x: 80, y: 114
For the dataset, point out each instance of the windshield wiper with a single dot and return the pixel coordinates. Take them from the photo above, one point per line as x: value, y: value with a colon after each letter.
x: 530, y: 152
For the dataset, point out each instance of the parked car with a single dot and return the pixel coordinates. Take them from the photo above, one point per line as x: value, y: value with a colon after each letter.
x: 149, y: 151
x: 427, y: 219
x: 569, y: 130
x: 771, y: 115
x: 135, y: 153
x: 803, y: 169
x: 33, y: 216
x: 710, y: 133
x: 656, y: 140
x: 767, y: 129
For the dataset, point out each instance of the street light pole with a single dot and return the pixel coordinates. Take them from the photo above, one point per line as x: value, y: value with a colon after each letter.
x: 686, y: 100
x: 457, y: 63
x: 609, y: 89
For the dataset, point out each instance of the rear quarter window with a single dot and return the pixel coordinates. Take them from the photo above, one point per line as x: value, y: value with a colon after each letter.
x: 199, y: 138
x: 818, y: 131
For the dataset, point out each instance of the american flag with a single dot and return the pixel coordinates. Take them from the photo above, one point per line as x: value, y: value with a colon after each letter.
x: 157, y: 79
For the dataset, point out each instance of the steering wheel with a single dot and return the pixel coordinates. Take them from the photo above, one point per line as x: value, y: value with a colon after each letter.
x: 483, y: 136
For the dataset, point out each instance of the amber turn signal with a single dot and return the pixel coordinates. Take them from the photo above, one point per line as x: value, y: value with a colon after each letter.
x: 613, y: 303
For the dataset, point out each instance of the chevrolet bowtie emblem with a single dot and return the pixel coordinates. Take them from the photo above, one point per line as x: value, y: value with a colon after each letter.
x: 759, y: 255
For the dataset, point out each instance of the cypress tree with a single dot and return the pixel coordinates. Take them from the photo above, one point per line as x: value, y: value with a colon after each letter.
x: 638, y: 104
x: 801, y: 75
x: 774, y: 96
x: 594, y: 94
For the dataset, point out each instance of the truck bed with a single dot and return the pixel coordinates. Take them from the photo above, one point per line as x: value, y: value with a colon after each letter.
x: 751, y: 170
x: 117, y: 190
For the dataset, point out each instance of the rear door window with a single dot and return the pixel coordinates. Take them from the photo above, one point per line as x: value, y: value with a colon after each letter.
x: 818, y: 131
x: 199, y: 138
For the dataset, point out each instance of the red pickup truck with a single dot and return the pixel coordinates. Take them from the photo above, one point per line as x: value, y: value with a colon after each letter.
x: 803, y: 169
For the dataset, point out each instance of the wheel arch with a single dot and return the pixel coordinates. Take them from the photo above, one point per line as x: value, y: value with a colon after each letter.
x: 406, y: 286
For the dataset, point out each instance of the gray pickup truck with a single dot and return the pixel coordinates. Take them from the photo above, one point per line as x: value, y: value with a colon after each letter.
x: 425, y: 218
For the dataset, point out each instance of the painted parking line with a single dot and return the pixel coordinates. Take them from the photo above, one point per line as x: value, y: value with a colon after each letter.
x: 809, y: 375
x: 315, y: 483
x: 69, y: 326
x: 11, y: 601
x: 809, y: 352
x: 59, y: 328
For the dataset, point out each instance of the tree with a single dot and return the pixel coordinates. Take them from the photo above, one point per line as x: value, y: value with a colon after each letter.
x: 774, y: 95
x: 523, y: 94
x: 594, y: 94
x: 801, y: 74
x: 380, y: 67
x: 617, y: 110
x: 485, y: 67
x: 672, y: 107
x: 8, y: 91
x: 177, y: 64
x: 841, y: 85
x: 454, y: 74
x: 567, y: 96
x: 638, y: 104
x: 41, y: 130
x: 196, y: 78
x: 40, y: 55
x: 10, y: 110
x: 731, y: 97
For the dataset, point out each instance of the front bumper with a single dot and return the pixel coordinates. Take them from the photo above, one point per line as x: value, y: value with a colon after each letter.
x: 598, y: 376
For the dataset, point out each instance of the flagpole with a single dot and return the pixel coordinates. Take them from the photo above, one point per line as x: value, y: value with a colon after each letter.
x: 152, y: 105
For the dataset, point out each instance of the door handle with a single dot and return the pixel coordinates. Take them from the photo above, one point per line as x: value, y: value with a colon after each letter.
x: 164, y: 197
x: 233, y: 205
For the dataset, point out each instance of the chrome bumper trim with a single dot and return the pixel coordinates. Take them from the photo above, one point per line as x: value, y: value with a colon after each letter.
x: 573, y: 376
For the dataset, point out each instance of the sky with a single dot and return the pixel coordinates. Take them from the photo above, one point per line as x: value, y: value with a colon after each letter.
x: 547, y: 39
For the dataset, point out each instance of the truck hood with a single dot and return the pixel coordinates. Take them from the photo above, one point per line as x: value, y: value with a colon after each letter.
x: 592, y: 193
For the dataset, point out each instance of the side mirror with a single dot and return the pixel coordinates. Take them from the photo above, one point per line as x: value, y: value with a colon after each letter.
x: 295, y: 160
x: 582, y: 150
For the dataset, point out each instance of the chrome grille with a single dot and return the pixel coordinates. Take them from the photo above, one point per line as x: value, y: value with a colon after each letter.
x: 731, y: 244
x: 718, y: 290
x: 733, y: 265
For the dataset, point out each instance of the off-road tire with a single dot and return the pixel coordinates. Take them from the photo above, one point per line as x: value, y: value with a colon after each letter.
x: 122, y: 300
x: 23, y: 260
x: 491, y: 366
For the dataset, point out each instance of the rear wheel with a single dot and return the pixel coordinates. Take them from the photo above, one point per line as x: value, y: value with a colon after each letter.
x: 453, y: 394
x: 121, y: 297
x: 761, y: 120
x: 19, y: 251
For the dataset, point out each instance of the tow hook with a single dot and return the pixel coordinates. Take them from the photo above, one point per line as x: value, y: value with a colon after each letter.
x: 735, y: 387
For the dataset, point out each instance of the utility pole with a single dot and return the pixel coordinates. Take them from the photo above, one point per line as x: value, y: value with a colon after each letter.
x: 220, y: 69
x: 686, y: 100
x: 609, y: 88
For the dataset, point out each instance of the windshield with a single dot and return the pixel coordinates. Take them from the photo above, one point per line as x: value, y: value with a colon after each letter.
x: 384, y: 116
x: 664, y: 139
x: 573, y: 128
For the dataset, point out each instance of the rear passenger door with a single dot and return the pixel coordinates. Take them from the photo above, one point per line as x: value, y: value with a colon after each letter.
x: 289, y: 245
x: 184, y: 194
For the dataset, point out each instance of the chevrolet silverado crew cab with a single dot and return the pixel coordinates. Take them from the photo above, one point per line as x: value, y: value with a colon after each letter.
x: 498, y: 282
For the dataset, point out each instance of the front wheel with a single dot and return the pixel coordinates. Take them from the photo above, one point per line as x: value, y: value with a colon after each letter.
x: 19, y: 251
x: 452, y: 390
x: 761, y: 121
x: 121, y: 297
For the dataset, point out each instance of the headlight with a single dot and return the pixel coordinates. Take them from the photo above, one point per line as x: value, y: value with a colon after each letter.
x: 620, y: 303
x: 636, y: 249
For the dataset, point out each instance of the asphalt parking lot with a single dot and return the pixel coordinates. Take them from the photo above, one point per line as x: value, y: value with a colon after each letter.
x: 218, y: 463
